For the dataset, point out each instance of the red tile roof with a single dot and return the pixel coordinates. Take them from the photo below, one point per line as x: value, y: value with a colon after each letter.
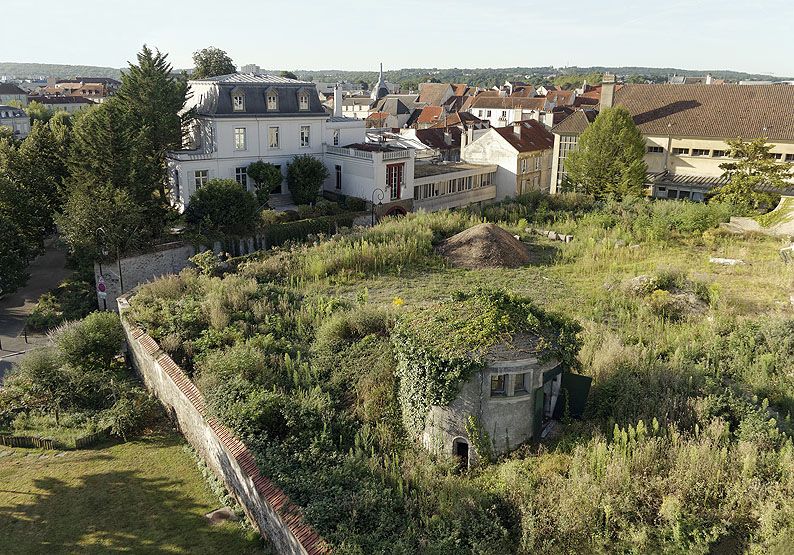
x: 430, y: 114
x: 533, y: 136
x: 503, y: 103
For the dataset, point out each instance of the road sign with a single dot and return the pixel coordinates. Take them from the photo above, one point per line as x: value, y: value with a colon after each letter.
x: 101, y: 287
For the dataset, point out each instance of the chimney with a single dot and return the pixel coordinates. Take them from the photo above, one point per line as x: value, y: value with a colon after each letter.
x: 337, y: 100
x: 607, y: 91
x: 708, y: 79
x: 447, y: 138
x: 517, y: 128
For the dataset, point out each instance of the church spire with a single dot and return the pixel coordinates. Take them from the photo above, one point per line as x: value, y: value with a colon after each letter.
x: 380, y: 89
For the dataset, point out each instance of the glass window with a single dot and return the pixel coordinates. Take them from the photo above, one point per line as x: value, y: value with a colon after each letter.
x: 655, y: 149
x: 680, y: 151
x: 338, y: 177
x: 394, y: 180
x: 520, y: 383
x: 700, y: 152
x: 239, y: 138
x: 498, y: 385
x: 305, y: 138
x: 789, y: 157
x: 241, y: 176
x: 201, y: 177
x: 776, y: 155
x: 238, y: 102
x: 303, y: 101
x: 336, y: 137
x: 718, y: 154
x: 272, y: 138
x: 272, y: 101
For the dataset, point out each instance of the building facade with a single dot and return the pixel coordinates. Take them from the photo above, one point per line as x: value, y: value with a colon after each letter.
x: 16, y: 120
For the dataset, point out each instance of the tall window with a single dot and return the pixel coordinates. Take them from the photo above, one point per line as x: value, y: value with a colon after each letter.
x: 498, y: 388
x: 303, y: 101
x: 201, y: 177
x: 524, y: 165
x: 272, y: 101
x: 394, y: 180
x: 336, y: 137
x: 241, y: 176
x: 305, y: 138
x: 520, y: 383
x: 238, y: 102
x: 239, y: 138
x: 272, y: 137
x: 537, y: 163
x: 338, y: 177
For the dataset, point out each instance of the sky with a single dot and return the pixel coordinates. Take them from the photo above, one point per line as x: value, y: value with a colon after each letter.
x: 752, y: 35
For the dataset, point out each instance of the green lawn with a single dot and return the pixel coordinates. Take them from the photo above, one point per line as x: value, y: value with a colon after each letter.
x: 144, y: 496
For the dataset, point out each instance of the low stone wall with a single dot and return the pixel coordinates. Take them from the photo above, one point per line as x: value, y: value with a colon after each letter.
x: 267, y: 507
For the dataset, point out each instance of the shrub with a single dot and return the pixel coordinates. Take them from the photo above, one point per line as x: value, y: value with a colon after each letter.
x: 207, y: 262
x: 305, y: 176
x: 267, y: 178
x: 355, y: 204
x: 71, y: 300
x: 223, y: 206
x: 131, y: 413
x: 92, y: 343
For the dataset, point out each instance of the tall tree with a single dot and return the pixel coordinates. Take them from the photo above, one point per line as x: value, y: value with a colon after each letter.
x: 305, y: 176
x: 609, y: 159
x: 212, y: 61
x: 266, y: 177
x: 753, y: 168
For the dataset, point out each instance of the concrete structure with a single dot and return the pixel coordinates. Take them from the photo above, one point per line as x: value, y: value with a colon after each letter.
x: 243, y: 118
x: 11, y: 93
x: 511, y: 398
x: 16, y: 120
x: 687, y: 129
x: 265, y: 505
x: 522, y: 151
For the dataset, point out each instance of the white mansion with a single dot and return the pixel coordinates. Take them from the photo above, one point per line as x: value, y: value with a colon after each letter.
x: 242, y: 118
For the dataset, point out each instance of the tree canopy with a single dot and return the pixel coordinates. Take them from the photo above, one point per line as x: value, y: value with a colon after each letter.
x: 305, y: 176
x: 288, y: 74
x: 609, y: 159
x: 222, y: 205
x: 212, y: 61
x: 266, y: 177
x: 753, y: 167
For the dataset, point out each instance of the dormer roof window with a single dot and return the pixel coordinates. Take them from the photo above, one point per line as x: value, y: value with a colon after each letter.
x: 303, y: 100
x: 238, y: 100
x: 271, y: 99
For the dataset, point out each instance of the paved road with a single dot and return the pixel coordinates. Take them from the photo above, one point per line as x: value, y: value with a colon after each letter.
x: 46, y: 272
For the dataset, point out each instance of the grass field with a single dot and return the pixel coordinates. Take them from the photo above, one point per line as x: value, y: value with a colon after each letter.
x: 144, y: 496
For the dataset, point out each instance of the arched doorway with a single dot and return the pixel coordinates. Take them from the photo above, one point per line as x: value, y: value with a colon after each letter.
x: 460, y: 448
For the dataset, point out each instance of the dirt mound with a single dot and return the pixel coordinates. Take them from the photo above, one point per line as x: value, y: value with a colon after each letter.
x: 484, y: 246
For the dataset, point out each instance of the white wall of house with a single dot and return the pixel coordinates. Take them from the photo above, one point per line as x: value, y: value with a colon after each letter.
x: 491, y: 148
x: 22, y: 99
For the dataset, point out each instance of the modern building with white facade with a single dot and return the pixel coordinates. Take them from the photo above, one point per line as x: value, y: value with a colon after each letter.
x: 16, y: 120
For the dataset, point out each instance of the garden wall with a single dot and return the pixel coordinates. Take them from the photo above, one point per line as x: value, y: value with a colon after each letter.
x: 267, y: 507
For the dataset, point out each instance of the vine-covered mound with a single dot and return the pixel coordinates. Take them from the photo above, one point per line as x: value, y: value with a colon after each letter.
x: 484, y: 246
x: 438, y: 347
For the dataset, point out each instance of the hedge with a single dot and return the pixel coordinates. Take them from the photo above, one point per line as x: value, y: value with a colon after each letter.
x: 278, y: 234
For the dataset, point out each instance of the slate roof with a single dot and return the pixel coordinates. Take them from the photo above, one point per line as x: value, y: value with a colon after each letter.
x: 392, y: 106
x: 534, y: 136
x: 719, y: 111
x: 10, y: 88
x: 255, y: 89
x: 60, y: 99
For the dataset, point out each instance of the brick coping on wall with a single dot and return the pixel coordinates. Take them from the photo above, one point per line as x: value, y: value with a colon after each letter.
x: 289, y: 513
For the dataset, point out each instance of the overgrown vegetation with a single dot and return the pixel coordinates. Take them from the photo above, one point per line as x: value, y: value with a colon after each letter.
x: 685, y: 443
x: 76, y: 383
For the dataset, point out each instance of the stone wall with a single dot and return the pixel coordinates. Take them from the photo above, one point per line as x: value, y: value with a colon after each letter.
x: 266, y: 506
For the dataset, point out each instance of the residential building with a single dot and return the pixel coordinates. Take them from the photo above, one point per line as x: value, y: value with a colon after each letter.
x: 687, y: 128
x: 462, y: 120
x: 11, y: 93
x: 16, y: 120
x: 522, y: 152
x: 501, y: 111
x: 243, y: 118
x: 68, y: 104
x: 356, y: 106
x: 439, y: 143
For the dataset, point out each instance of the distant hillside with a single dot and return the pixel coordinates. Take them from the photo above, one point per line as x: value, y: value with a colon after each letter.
x: 16, y: 70
x: 410, y: 77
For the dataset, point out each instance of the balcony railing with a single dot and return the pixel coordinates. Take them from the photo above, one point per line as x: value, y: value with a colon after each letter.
x: 396, y: 154
x: 352, y: 152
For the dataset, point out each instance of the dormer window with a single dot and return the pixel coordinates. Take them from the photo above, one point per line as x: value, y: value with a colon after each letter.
x: 272, y: 100
x: 238, y: 102
x: 303, y: 101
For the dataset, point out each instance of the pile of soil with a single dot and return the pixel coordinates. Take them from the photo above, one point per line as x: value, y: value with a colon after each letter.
x: 484, y: 246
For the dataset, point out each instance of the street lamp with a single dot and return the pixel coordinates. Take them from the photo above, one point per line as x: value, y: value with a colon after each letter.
x: 101, y: 239
x: 380, y: 194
